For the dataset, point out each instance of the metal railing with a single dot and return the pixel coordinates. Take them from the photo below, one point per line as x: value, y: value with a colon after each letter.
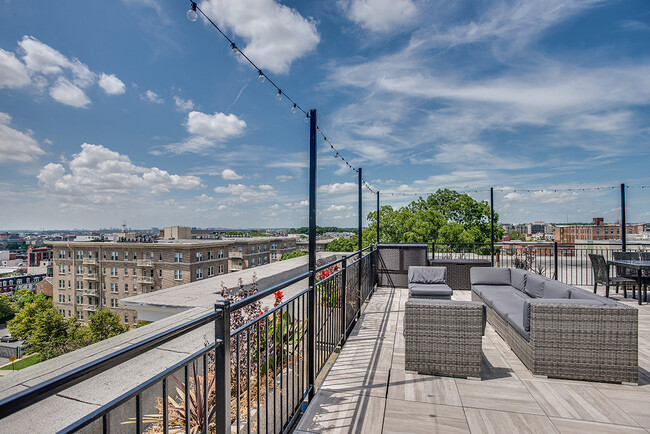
x: 254, y: 378
x: 568, y: 263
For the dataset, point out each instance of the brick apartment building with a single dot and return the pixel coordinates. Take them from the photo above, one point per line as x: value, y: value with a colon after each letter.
x: 37, y: 254
x: 92, y: 274
x: 598, y: 230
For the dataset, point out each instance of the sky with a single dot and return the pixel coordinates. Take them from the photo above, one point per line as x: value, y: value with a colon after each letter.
x: 128, y: 111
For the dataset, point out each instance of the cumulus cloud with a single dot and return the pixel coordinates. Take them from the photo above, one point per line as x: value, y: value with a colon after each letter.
x: 69, y: 94
x: 543, y: 196
x: 284, y: 178
x: 183, y: 105
x: 111, y: 84
x: 297, y: 205
x: 100, y: 175
x: 338, y: 207
x: 217, y: 126
x: 275, y: 34
x: 12, y: 71
x: 247, y: 193
x: 380, y: 15
x: 16, y: 145
x: 42, y: 58
x: 336, y: 188
x: 230, y: 175
x: 152, y: 96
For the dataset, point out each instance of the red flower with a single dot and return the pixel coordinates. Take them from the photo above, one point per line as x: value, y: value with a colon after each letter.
x: 278, y: 294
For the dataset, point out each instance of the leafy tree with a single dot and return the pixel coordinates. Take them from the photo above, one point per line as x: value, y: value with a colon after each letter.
x: 291, y: 255
x: 343, y: 245
x: 443, y: 217
x: 7, y: 309
x: 103, y: 325
x: 23, y: 324
x: 320, y: 230
x: 516, y: 235
x: 23, y: 296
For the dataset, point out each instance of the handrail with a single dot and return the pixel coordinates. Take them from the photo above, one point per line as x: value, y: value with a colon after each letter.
x: 25, y: 398
x: 260, y: 295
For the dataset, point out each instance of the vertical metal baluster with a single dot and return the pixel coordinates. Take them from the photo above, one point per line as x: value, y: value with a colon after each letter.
x: 275, y: 368
x: 293, y: 354
x: 248, y: 380
x: 282, y: 390
x: 138, y: 414
x: 238, y: 378
x: 186, y: 389
x: 205, y: 393
x: 259, y: 385
x: 266, y: 371
x: 106, y: 422
x: 165, y: 408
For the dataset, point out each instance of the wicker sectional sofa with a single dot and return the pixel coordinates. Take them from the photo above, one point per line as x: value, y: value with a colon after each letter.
x: 558, y: 330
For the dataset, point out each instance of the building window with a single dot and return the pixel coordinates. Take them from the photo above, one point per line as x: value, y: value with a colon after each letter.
x: 126, y: 319
x: 114, y: 256
x: 80, y: 284
x: 61, y: 284
x: 178, y: 257
x: 80, y: 315
x: 210, y: 271
x: 80, y: 269
x: 253, y: 262
x: 79, y: 299
x: 210, y: 255
x: 126, y: 288
x: 126, y: 272
x: 61, y: 254
x: 160, y: 256
x: 80, y: 254
x: 113, y: 302
x: 113, y: 271
x: 220, y: 254
x: 178, y: 274
x: 199, y: 273
x: 135, y: 256
x: 220, y: 268
x: 135, y: 319
x: 61, y: 269
x: 199, y: 256
x: 274, y: 256
x: 114, y: 288
x: 266, y: 259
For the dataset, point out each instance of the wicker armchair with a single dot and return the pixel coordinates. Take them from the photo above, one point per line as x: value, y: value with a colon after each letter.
x: 601, y: 276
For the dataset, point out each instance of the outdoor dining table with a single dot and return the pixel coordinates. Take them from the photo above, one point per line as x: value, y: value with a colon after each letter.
x: 637, y: 265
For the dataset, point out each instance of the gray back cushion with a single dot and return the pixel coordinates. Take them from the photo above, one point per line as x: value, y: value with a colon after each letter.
x: 518, y: 278
x: 555, y: 289
x: 579, y: 294
x: 489, y: 276
x: 553, y: 301
x: 427, y: 274
x: 535, y: 285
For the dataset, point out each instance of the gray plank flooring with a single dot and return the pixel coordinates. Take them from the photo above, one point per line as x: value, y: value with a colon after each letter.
x: 367, y: 389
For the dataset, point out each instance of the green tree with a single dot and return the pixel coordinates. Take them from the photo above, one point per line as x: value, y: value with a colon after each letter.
x: 7, y: 308
x: 291, y: 255
x: 516, y: 235
x: 23, y: 296
x: 103, y: 325
x: 443, y: 217
x: 24, y: 322
x: 343, y: 245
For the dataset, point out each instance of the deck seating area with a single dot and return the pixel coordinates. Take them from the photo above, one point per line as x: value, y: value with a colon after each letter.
x: 369, y: 390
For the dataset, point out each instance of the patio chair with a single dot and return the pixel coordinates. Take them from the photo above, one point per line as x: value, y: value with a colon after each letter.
x: 601, y: 276
x: 623, y: 271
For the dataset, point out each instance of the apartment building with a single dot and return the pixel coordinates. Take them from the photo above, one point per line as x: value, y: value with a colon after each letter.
x: 321, y: 244
x: 92, y: 274
x: 89, y: 274
x: 598, y: 230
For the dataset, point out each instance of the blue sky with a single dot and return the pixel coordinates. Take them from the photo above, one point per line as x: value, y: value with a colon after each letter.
x: 113, y: 111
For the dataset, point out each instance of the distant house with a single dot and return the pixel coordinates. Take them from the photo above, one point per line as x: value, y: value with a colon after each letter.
x: 45, y: 286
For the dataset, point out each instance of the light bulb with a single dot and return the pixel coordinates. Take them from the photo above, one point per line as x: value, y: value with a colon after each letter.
x: 261, y: 77
x: 191, y: 14
x: 235, y: 50
x: 279, y: 95
x: 306, y: 118
x: 293, y: 109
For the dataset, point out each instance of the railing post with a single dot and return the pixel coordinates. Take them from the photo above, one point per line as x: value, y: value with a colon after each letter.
x: 311, y: 297
x: 623, y: 224
x: 555, y: 259
x: 492, y: 225
x: 344, y: 320
x: 221, y: 368
x: 377, y: 217
x: 433, y: 250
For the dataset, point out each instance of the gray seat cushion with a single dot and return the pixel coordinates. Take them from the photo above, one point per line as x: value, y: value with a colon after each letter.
x: 427, y: 274
x: 579, y: 294
x: 480, y: 289
x: 518, y: 278
x: 508, y: 306
x: 489, y: 293
x: 516, y: 322
x: 489, y: 276
x: 429, y: 290
x: 555, y: 289
x: 535, y: 285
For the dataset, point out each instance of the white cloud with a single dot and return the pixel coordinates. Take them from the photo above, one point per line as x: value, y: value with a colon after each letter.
x: 543, y: 196
x: 111, y: 84
x: 99, y: 175
x: 284, y: 178
x: 217, y: 126
x: 297, y: 205
x: 183, y: 105
x: 195, y: 144
x: 337, y: 188
x: 230, y: 175
x: 338, y: 207
x: 12, y: 71
x: 69, y: 94
x: 380, y: 15
x: 42, y: 58
x: 275, y: 34
x: 247, y: 193
x: 275, y: 206
x: 16, y: 145
x: 152, y: 96
x: 205, y: 198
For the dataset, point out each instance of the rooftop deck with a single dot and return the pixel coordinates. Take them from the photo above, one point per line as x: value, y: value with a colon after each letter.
x: 368, y: 390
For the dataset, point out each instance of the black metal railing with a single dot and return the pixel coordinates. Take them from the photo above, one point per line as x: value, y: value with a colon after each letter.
x: 568, y: 263
x: 254, y: 378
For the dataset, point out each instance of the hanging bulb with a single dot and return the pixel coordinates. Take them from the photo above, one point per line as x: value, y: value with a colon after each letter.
x: 235, y: 50
x: 191, y: 14
x: 293, y: 109
x: 306, y: 118
x: 260, y: 76
x: 279, y: 95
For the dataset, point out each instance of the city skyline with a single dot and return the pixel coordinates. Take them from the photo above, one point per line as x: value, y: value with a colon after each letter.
x: 129, y: 111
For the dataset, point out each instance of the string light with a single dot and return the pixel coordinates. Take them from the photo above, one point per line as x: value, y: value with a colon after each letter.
x: 260, y: 76
x: 191, y: 14
x: 293, y: 108
x: 235, y: 50
x: 279, y: 95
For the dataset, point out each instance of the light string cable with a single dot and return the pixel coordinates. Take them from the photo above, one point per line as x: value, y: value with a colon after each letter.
x: 522, y: 190
x: 192, y: 16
